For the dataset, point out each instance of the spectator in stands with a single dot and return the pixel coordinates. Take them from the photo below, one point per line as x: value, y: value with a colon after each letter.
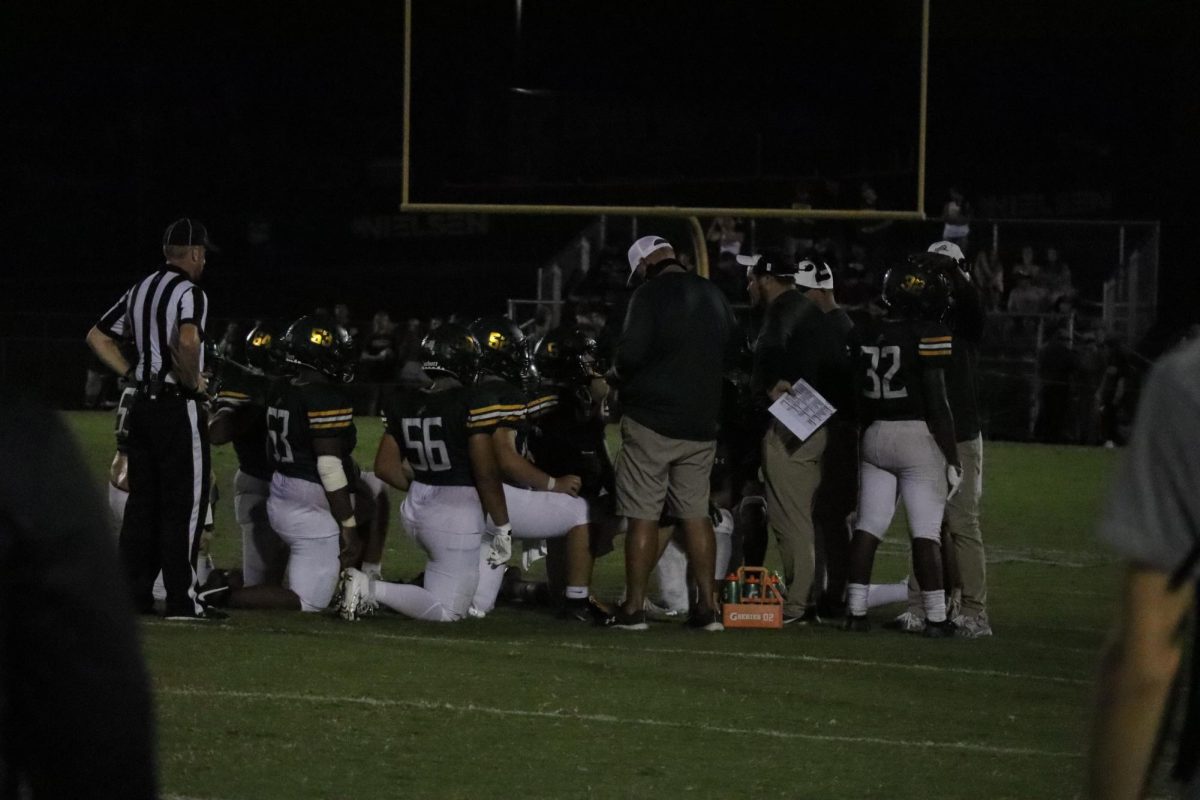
x: 956, y: 219
x: 1116, y: 395
x: 1056, y: 371
x: 1026, y: 297
x: 378, y: 357
x: 379, y: 350
x: 725, y: 234
x: 341, y: 314
x: 1056, y: 278
x: 1089, y: 373
x: 799, y: 233
x: 989, y: 277
x: 730, y: 278
x: 408, y: 354
x: 232, y: 344
x: 872, y: 234
x: 1028, y: 266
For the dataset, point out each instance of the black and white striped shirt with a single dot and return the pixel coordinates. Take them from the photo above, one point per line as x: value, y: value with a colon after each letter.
x: 150, y: 314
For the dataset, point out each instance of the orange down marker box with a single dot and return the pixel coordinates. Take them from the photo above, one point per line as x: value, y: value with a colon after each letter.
x: 764, y: 611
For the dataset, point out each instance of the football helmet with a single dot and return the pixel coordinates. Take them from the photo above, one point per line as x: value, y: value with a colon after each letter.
x: 918, y: 289
x: 320, y: 343
x: 450, y: 350
x: 505, y: 351
x: 566, y: 355
x: 262, y: 352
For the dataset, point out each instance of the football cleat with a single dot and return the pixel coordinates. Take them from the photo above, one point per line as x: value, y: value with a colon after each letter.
x: 908, y: 622
x: 857, y: 623
x: 216, y: 589
x: 662, y: 613
x: 616, y: 617
x: 939, y: 630
x: 576, y: 610
x: 809, y: 618
x: 973, y: 626
x: 354, y: 597
x: 705, y: 619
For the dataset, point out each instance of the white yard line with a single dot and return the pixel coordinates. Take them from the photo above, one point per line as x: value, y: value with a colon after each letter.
x: 564, y: 714
x: 628, y: 648
x: 740, y: 655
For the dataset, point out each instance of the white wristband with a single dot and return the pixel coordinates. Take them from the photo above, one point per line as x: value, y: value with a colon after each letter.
x: 550, y: 484
x: 349, y: 522
x: 504, y: 529
x: 331, y: 473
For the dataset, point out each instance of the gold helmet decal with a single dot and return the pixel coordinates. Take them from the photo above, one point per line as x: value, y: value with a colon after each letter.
x: 261, y: 340
x: 551, y: 348
x: 912, y: 284
x: 496, y: 340
x: 320, y: 336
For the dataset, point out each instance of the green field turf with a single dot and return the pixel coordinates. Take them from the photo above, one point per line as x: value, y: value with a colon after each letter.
x: 275, y: 705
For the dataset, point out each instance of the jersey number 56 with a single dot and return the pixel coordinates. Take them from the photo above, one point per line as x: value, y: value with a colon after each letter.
x: 424, y: 443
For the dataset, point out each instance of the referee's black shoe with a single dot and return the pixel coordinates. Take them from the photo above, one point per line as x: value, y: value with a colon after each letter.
x: 216, y: 590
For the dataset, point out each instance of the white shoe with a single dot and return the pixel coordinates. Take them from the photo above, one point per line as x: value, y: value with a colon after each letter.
x: 475, y: 613
x: 908, y: 622
x: 657, y: 612
x: 973, y: 626
x: 355, y: 596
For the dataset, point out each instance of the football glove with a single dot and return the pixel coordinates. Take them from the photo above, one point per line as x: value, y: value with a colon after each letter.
x: 954, y: 475
x: 500, y: 549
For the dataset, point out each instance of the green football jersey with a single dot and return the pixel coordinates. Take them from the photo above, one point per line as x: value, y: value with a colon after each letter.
x: 300, y: 413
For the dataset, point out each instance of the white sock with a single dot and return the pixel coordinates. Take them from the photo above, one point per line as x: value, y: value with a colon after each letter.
x: 935, y: 605
x: 372, y: 569
x: 856, y: 599
x: 577, y: 592
x: 884, y: 594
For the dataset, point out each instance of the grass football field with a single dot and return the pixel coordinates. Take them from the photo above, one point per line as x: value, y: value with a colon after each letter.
x: 290, y: 706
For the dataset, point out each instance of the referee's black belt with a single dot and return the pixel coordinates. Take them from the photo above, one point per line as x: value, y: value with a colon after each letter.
x: 161, y: 390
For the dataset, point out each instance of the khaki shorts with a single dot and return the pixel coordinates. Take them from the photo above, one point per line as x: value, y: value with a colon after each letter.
x: 653, y: 470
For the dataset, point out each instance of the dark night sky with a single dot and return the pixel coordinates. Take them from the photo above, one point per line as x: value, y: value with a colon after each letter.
x: 121, y: 118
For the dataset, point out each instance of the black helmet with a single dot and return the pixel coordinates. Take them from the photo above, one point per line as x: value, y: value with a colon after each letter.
x: 261, y: 350
x: 505, y: 352
x: 450, y: 350
x: 566, y: 355
x: 320, y: 343
x: 918, y: 289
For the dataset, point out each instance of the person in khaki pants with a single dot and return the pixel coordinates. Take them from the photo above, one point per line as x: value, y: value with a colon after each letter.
x: 793, y: 472
x: 795, y: 343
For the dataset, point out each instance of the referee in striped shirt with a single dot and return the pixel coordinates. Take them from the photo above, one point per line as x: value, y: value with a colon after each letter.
x: 164, y: 315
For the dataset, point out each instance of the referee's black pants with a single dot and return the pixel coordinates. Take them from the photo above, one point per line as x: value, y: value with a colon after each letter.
x: 169, y: 470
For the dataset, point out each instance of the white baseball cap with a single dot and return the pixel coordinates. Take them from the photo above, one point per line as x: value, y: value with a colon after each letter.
x: 642, y: 248
x: 949, y: 249
x: 814, y: 275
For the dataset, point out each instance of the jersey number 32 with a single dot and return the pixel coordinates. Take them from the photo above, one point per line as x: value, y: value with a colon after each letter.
x: 881, y: 382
